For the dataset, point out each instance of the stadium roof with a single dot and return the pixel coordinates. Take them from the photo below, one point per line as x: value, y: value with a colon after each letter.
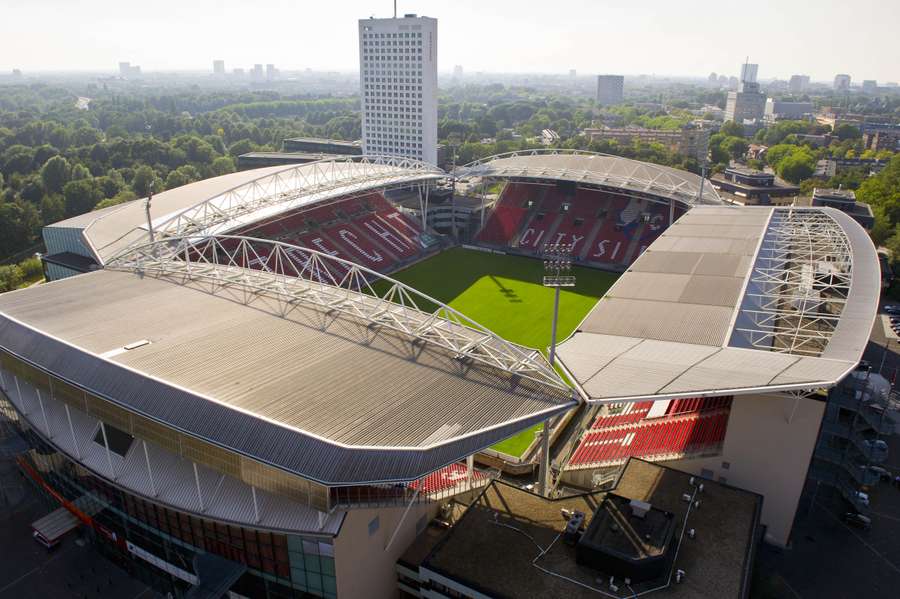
x: 229, y: 201
x: 335, y: 385
x: 595, y: 169
x: 732, y: 300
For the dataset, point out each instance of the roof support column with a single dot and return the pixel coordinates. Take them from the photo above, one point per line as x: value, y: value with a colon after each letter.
x: 470, y: 469
x: 671, y: 211
x: 43, y: 413
x: 197, y: 482
x: 106, y: 445
x: 149, y: 470
x: 19, y: 395
x: 256, y: 505
x: 72, y: 430
x: 403, y: 517
x: 482, y: 203
x: 2, y: 380
x: 545, y: 457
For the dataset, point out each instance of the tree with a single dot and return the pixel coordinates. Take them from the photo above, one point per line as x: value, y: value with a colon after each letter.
x: 79, y: 171
x: 796, y: 167
x: 19, y: 222
x: 144, y: 176
x: 776, y: 154
x: 222, y: 165
x: 81, y: 196
x: 31, y: 189
x: 10, y: 277
x: 182, y: 176
x: 55, y: 173
x: 844, y: 132
x: 16, y: 159
x: 126, y: 195
x: 883, y: 191
x: 44, y: 153
x: 730, y: 128
x: 735, y: 146
x: 53, y: 208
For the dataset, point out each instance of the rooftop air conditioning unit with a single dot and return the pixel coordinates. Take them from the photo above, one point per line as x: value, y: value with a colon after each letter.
x: 639, y: 508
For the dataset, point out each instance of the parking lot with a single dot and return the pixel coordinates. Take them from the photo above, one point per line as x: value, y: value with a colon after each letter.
x: 73, y: 569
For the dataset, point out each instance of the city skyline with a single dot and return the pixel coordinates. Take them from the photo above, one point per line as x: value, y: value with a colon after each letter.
x: 674, y: 41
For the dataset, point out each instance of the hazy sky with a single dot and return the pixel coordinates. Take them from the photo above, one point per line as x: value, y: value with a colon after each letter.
x: 664, y: 37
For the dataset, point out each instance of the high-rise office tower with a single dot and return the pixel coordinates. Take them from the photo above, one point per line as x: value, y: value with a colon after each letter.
x: 748, y: 72
x: 218, y: 67
x: 398, y: 86
x: 798, y: 84
x: 610, y: 89
x: 842, y: 83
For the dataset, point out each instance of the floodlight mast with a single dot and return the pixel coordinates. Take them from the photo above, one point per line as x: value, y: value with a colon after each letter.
x: 557, y: 274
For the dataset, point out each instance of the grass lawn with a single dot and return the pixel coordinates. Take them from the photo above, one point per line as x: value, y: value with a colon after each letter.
x: 504, y: 294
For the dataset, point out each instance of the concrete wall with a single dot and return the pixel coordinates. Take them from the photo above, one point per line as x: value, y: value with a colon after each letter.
x: 364, y: 565
x: 768, y: 446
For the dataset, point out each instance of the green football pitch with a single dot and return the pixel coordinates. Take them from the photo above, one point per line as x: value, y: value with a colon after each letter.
x: 504, y: 294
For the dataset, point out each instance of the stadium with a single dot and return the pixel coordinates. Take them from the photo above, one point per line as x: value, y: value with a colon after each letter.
x: 269, y: 383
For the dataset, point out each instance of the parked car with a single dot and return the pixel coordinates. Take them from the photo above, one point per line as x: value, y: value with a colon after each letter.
x: 877, y: 444
x: 857, y: 520
x: 882, y: 473
x: 892, y: 309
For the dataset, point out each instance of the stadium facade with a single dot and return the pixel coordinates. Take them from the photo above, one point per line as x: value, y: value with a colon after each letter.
x: 237, y: 397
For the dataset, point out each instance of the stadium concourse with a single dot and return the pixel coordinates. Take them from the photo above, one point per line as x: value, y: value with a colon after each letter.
x: 227, y: 369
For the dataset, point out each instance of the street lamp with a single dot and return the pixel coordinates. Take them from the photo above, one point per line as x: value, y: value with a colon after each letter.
x: 557, y: 274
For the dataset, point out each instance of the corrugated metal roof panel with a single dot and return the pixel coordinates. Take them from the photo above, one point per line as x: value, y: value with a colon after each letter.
x: 664, y: 321
x: 731, y: 367
x: 650, y: 286
x: 712, y: 291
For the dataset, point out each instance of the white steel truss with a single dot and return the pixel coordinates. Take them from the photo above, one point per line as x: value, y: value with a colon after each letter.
x: 293, y: 274
x: 301, y: 185
x: 608, y: 170
x: 798, y: 286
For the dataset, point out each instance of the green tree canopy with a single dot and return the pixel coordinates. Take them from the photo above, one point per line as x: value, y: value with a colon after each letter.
x: 55, y: 173
x: 81, y: 196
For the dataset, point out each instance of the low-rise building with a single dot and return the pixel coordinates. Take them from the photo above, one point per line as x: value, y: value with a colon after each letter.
x: 549, y: 137
x: 688, y: 141
x: 845, y: 201
x: 881, y: 136
x: 658, y: 529
x: 322, y: 146
x: 777, y: 110
x: 752, y: 187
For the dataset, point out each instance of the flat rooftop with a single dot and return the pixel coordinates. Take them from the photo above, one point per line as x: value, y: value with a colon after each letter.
x: 319, y: 393
x: 489, y: 549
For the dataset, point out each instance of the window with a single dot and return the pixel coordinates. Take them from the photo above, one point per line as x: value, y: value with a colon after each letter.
x: 706, y: 473
x: 726, y: 465
x: 119, y: 441
x: 374, y: 524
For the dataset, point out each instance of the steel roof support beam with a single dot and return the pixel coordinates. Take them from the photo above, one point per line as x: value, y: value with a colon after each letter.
x: 300, y: 275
